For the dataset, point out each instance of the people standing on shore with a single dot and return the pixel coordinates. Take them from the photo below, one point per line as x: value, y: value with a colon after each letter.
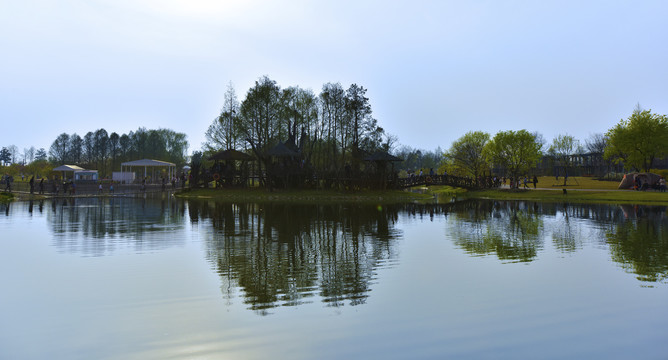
x: 111, y: 187
x: 662, y: 184
x: 535, y: 181
x: 41, y: 186
x: 8, y: 183
x: 32, y: 184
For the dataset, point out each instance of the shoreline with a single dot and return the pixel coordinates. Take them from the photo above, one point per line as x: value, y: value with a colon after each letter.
x: 591, y: 196
x: 417, y: 194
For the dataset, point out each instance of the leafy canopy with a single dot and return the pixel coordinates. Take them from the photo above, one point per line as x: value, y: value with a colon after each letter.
x: 517, y: 151
x: 638, y: 140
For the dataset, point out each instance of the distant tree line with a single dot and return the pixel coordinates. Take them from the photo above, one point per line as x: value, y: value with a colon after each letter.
x: 635, y: 143
x: 105, y: 152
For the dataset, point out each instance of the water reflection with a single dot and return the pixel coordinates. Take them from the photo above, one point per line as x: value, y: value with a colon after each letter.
x: 98, y: 226
x: 640, y: 244
x: 277, y: 254
x: 283, y: 254
x: 637, y: 236
x: 511, y: 230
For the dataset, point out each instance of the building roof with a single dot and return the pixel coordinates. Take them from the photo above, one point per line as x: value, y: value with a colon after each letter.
x: 230, y: 154
x: 147, y: 162
x: 282, y: 150
x: 68, y: 168
x: 382, y: 156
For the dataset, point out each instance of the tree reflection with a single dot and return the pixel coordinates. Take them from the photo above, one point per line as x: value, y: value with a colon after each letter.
x: 284, y: 254
x: 640, y: 244
x: 280, y: 254
x: 509, y: 229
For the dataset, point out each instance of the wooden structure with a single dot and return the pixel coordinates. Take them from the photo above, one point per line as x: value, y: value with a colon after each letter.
x: 228, y: 174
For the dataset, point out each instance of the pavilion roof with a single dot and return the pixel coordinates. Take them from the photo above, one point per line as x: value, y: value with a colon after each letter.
x: 382, y: 156
x: 68, y: 168
x: 147, y: 162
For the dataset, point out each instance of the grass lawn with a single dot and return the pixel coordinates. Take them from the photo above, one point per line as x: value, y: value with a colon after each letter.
x: 595, y: 196
x: 6, y: 197
x: 302, y: 196
x: 577, y: 182
x: 579, y: 189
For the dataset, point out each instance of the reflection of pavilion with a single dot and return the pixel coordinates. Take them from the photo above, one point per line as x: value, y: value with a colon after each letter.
x: 99, y: 226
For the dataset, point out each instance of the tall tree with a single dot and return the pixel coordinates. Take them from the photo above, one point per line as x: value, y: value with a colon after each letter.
x: 88, y: 148
x: 125, y: 144
x: 638, y: 140
x: 40, y: 155
x: 5, y: 156
x: 259, y: 122
x: 101, y: 149
x: 29, y: 154
x: 14, y: 151
x: 562, y: 149
x: 114, y: 149
x: 178, y: 147
x: 59, y: 149
x: 466, y: 154
x: 333, y: 110
x: 596, y: 143
x: 223, y: 131
x: 76, y: 149
x: 358, y: 110
x: 516, y: 151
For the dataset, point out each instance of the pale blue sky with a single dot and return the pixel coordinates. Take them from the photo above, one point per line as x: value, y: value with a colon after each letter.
x: 433, y: 69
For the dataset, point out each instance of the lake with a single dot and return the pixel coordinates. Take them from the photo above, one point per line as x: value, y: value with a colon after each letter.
x: 165, y: 278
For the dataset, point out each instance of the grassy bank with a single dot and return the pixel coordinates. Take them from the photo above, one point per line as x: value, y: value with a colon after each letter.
x: 584, y: 190
x: 583, y: 196
x: 578, y: 189
x: 576, y: 182
x: 6, y: 197
x: 302, y: 196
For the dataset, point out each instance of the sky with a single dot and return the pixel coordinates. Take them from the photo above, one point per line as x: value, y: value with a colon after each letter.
x: 433, y: 70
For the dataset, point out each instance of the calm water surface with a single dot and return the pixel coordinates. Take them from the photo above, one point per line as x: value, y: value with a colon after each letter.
x: 161, y: 278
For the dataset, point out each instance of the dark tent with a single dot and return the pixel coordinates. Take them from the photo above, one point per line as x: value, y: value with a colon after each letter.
x: 650, y: 179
